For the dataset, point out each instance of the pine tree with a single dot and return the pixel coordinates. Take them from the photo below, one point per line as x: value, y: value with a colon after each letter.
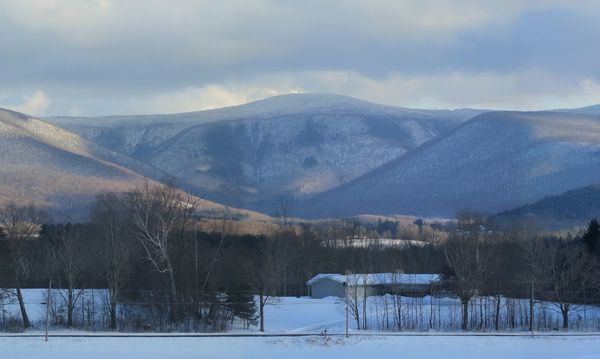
x: 243, y: 306
x: 591, y: 237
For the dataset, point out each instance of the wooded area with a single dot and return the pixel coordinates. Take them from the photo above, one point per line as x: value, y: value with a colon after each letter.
x: 165, y: 273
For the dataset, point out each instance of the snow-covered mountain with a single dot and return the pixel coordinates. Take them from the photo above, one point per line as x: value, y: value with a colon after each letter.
x: 593, y: 110
x: 60, y: 171
x: 252, y: 155
x: 335, y: 155
x: 494, y: 162
x: 44, y: 164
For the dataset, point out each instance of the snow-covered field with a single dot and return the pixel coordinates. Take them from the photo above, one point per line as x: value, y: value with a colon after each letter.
x: 441, y: 315
x: 304, y: 315
x: 362, y: 347
x: 282, y: 315
x: 292, y: 316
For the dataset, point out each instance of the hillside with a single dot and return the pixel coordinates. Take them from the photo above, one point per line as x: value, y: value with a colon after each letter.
x: 287, y: 146
x: 494, y: 162
x: 52, y: 167
x: 60, y: 171
x: 593, y: 110
x: 572, y: 208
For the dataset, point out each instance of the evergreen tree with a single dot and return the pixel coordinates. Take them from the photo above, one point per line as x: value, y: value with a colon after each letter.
x: 591, y: 237
x: 243, y: 306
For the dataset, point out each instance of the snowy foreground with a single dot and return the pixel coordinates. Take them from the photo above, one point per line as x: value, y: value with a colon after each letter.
x: 305, y: 315
x: 290, y: 316
x: 306, y: 347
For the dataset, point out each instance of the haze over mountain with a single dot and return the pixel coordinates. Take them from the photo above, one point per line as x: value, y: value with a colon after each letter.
x: 494, y: 162
x: 286, y: 146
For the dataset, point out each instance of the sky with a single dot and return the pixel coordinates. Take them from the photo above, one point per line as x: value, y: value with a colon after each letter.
x: 103, y: 57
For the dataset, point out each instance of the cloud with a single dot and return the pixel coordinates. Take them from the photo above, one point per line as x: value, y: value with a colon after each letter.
x: 98, y: 20
x: 72, y: 20
x: 523, y: 90
x: 208, y: 97
x: 34, y: 105
x: 140, y: 56
x: 526, y: 90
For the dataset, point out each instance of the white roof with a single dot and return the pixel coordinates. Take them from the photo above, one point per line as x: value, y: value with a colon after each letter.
x: 377, y: 278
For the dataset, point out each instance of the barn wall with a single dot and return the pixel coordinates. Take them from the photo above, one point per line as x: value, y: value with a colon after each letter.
x: 327, y: 288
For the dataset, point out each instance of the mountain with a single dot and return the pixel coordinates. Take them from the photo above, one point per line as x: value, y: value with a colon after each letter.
x: 593, y: 110
x: 493, y: 162
x: 571, y: 208
x: 49, y: 166
x: 286, y: 146
x: 335, y: 155
x: 60, y: 171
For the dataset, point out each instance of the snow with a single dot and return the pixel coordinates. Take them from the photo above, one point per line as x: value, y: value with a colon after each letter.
x: 305, y: 315
x: 293, y: 145
x: 377, y: 278
x: 316, y: 347
x: 291, y: 316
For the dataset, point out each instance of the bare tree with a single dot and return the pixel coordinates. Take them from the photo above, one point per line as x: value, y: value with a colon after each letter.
x: 20, y: 224
x: 160, y: 216
x: 532, y: 247
x: 353, y: 295
x: 469, y: 256
x: 269, y: 264
x: 569, y: 274
x: 69, y: 257
x: 110, y: 218
x: 397, y: 298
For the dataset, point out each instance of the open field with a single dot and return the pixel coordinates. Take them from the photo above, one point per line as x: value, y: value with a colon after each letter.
x: 305, y: 315
x: 465, y: 347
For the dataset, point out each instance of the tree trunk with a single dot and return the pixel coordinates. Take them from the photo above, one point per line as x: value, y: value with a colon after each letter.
x: 113, y: 315
x: 564, y: 309
x: 174, y: 312
x: 26, y: 323
x: 497, y: 319
x: 399, y: 311
x: 70, y: 308
x: 531, y: 311
x: 465, y: 314
x: 481, y: 316
x: 261, y: 305
x: 364, y: 308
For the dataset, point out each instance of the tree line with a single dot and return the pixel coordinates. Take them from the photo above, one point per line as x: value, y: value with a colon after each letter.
x: 161, y: 271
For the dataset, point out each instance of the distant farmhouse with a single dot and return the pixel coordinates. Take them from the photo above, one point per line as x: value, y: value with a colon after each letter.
x: 338, y: 285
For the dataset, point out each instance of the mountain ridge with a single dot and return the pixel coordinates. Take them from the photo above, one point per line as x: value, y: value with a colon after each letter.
x: 571, y: 208
x: 545, y: 131
x: 287, y: 146
x: 335, y: 155
x: 61, y: 172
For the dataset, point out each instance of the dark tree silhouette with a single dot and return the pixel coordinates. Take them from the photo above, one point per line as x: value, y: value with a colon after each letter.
x: 591, y: 237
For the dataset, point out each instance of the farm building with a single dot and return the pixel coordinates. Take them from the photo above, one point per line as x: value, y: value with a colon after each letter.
x: 336, y: 285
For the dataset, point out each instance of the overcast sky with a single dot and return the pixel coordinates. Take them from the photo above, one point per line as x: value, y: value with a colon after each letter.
x: 101, y: 57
